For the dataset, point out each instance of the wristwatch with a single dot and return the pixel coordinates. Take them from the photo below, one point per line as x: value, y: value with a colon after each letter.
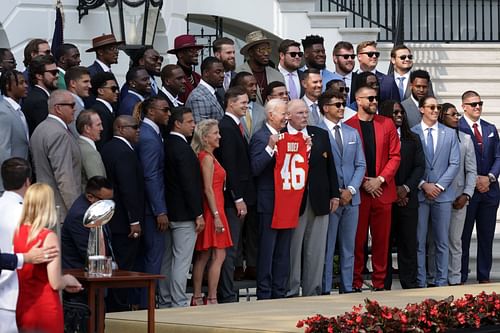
x: 492, y: 178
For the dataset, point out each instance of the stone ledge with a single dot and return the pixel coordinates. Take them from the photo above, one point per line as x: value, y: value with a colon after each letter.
x: 327, y: 19
x: 357, y: 35
x: 294, y: 6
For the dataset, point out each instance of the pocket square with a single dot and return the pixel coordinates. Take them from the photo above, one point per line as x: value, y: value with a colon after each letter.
x: 351, y: 143
x: 325, y: 154
x: 491, y: 135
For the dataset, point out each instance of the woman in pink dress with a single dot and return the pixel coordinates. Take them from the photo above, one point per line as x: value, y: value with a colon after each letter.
x: 38, y: 305
x: 213, y: 240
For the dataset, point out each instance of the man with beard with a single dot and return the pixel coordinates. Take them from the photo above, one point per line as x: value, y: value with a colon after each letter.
x: 106, y: 50
x: 67, y: 56
x: 343, y: 57
x: 203, y: 100
x: 43, y: 74
x: 290, y: 57
x: 173, y: 81
x: 151, y: 60
x: 257, y: 52
x: 224, y: 51
x: 315, y: 57
x: 186, y: 50
x: 311, y: 82
x: 419, y: 86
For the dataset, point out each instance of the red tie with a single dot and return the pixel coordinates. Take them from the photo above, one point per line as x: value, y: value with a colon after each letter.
x: 242, y: 130
x: 479, y: 137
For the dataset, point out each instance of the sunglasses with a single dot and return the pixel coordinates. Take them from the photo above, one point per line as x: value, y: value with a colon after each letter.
x: 370, y: 98
x: 296, y: 54
x: 337, y: 104
x: 474, y: 104
x: 454, y: 114
x: 344, y: 89
x: 396, y: 112
x: 135, y: 127
x: 67, y: 104
x: 403, y: 57
x: 346, y: 56
x: 167, y: 109
x: 113, y: 88
x: 371, y: 54
x: 53, y: 71
x: 433, y: 107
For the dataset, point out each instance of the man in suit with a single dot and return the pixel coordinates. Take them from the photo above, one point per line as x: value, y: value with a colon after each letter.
x: 203, y: 99
x: 16, y: 177
x: 347, y: 152
x: 315, y: 57
x: 77, y: 81
x: 74, y: 235
x: 35, y: 47
x: 405, y: 209
x: 378, y: 189
x: 67, y: 56
x: 257, y: 52
x: 311, y: 82
x: 14, y: 137
x: 173, y: 85
x: 125, y: 173
x: 223, y: 48
x: 274, y: 244
x: 290, y: 58
x: 106, y: 52
x: 55, y: 152
x: 276, y: 90
x: 151, y: 60
x: 255, y: 116
x: 239, y: 196
x: 482, y: 209
x: 89, y: 126
x: 183, y: 193
x: 43, y: 76
x: 419, y: 86
x: 321, y: 197
x: 343, y: 58
x: 155, y: 112
x: 436, y: 194
x: 105, y: 88
x: 139, y: 88
x: 186, y: 50
x: 464, y: 184
x: 368, y: 60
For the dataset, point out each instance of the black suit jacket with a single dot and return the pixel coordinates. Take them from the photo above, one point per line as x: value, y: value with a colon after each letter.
x: 234, y: 157
x: 107, y: 119
x: 8, y: 261
x: 387, y: 87
x: 322, y: 182
x: 411, y: 169
x: 124, y: 171
x: 35, y: 107
x: 183, y: 186
x: 95, y: 68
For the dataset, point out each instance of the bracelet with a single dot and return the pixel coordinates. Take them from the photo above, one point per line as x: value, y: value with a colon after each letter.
x: 216, y: 213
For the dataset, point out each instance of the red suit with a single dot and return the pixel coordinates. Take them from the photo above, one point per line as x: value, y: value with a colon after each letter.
x: 375, y: 213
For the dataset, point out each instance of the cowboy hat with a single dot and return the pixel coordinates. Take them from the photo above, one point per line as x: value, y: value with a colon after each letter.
x: 104, y: 40
x: 254, y: 38
x: 184, y: 42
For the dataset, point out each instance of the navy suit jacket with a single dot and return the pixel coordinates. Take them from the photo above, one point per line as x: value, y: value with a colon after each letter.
x: 488, y: 161
x: 387, y: 87
x: 152, y: 157
x: 107, y: 119
x: 74, y: 236
x: 95, y: 68
x: 127, y: 104
x: 35, y: 107
x: 8, y: 261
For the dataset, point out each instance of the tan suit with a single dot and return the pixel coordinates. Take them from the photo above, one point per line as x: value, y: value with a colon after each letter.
x: 91, y: 162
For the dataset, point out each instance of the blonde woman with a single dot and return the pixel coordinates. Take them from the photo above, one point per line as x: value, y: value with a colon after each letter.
x: 213, y: 240
x: 38, y: 305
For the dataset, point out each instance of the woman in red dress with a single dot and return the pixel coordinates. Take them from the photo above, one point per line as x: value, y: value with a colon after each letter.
x: 38, y: 305
x: 213, y: 240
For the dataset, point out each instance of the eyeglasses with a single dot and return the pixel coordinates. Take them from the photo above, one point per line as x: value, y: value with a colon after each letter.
x: 337, y: 104
x: 135, y: 127
x: 344, y: 89
x: 371, y: 54
x: 404, y: 56
x: 54, y: 72
x: 474, y: 104
x: 370, y: 98
x: 346, y: 56
x: 113, y: 88
x: 295, y: 54
x: 433, y: 107
x: 67, y: 104
x: 396, y: 112
x: 263, y: 49
x: 454, y: 114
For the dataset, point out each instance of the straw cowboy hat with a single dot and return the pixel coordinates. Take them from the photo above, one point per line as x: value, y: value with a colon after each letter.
x: 254, y: 38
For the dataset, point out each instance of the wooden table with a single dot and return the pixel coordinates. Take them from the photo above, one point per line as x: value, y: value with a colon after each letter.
x: 120, y: 279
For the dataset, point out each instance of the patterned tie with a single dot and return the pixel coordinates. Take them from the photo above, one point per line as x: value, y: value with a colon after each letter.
x: 430, y: 144
x: 227, y: 80
x: 292, y: 90
x: 248, y: 118
x: 479, y: 137
x: 401, y: 87
x: 242, y: 130
x: 338, y: 139
x: 314, y: 111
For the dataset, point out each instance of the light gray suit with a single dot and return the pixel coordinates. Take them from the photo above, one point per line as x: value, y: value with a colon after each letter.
x: 464, y: 182
x: 412, y: 112
x: 258, y: 119
x: 271, y: 75
x: 13, y: 134
x: 91, y: 162
x: 442, y: 170
x: 57, y: 162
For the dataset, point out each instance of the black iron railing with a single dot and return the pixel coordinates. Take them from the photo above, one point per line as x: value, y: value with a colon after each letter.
x: 423, y: 20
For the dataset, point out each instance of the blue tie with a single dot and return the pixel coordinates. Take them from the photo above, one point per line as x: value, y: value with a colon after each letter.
x: 401, y: 87
x: 430, y: 144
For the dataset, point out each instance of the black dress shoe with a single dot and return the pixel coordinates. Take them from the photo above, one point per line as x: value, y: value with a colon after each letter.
x: 431, y: 285
x: 378, y: 289
x: 356, y: 290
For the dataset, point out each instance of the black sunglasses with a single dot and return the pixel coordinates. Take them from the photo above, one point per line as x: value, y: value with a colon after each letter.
x: 404, y: 56
x: 344, y: 89
x: 347, y: 56
x: 113, y: 88
x: 474, y: 104
x: 371, y: 54
x: 53, y: 71
x: 136, y: 127
x: 396, y: 112
x: 433, y: 107
x: 295, y: 54
x: 370, y: 98
x: 454, y: 114
x: 337, y: 104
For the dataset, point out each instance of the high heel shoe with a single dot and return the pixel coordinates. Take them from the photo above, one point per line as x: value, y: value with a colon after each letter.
x: 211, y: 301
x: 195, y: 301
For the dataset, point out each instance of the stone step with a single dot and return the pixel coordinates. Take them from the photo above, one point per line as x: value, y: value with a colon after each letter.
x: 475, y: 69
x: 486, y: 85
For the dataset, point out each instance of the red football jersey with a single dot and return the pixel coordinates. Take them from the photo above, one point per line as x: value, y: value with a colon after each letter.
x: 290, y: 177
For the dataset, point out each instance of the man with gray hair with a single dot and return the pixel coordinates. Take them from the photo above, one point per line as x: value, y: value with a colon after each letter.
x: 55, y: 152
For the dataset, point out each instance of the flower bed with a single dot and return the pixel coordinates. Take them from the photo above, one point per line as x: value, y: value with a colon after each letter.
x: 428, y: 316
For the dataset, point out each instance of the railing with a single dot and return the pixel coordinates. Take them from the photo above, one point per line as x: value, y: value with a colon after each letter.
x: 423, y: 20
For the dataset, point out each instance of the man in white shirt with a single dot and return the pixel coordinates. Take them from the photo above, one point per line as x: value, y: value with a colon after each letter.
x: 173, y: 81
